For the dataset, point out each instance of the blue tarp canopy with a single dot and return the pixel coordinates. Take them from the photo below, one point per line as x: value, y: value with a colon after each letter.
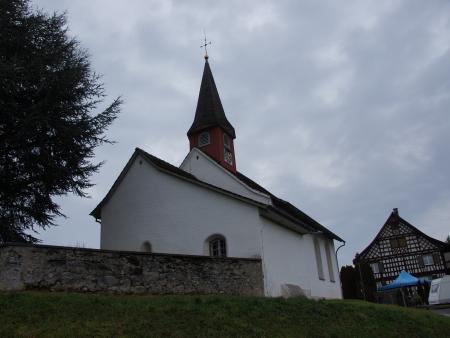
x: 404, y: 279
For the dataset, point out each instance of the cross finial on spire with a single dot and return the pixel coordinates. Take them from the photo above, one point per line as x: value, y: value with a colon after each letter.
x: 205, y: 45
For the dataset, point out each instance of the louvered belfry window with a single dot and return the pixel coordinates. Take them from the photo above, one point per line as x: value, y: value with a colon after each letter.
x: 204, y: 139
x: 226, y: 142
x: 227, y: 153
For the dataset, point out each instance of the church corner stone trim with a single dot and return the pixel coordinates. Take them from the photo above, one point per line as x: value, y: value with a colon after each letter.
x: 56, y: 268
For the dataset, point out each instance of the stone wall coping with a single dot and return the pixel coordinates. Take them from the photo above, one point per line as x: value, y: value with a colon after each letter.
x: 123, y: 252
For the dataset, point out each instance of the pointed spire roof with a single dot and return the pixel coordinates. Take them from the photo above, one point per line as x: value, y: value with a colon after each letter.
x: 209, y: 112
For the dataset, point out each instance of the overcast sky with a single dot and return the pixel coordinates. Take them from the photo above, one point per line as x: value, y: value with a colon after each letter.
x: 340, y: 107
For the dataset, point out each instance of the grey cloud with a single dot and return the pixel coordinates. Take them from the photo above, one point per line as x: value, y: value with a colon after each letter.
x: 341, y: 108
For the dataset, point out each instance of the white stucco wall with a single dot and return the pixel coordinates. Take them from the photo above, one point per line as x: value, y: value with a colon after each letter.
x: 175, y: 216
x: 205, y: 169
x: 289, y: 258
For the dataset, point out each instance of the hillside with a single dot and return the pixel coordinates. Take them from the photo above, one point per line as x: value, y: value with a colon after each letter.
x: 36, y: 314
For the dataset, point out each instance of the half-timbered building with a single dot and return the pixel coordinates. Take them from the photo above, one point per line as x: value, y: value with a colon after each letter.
x: 401, y: 246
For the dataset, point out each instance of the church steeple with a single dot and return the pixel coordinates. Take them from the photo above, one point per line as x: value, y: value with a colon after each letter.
x: 209, y: 110
x: 211, y: 131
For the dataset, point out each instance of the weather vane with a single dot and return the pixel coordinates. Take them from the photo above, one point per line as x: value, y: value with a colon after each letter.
x: 205, y: 45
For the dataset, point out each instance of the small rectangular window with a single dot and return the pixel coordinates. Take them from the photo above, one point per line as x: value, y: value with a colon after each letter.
x: 329, y: 261
x: 398, y: 242
x: 434, y: 288
x: 427, y: 260
x: 394, y: 243
x: 375, y: 267
x: 318, y: 258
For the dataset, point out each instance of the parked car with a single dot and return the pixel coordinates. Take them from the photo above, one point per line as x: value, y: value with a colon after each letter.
x: 440, y: 291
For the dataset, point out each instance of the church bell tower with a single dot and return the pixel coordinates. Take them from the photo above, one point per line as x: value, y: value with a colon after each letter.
x: 211, y: 132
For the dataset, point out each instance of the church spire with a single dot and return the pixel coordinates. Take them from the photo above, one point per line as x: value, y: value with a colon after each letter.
x: 209, y: 112
x: 211, y: 131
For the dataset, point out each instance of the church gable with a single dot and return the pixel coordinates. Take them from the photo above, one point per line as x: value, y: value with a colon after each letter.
x: 136, y: 173
x: 206, y: 169
x: 175, y: 214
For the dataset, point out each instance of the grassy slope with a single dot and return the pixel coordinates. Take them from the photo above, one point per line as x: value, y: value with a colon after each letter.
x: 34, y: 314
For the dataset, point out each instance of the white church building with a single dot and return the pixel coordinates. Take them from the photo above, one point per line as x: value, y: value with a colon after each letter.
x: 207, y: 207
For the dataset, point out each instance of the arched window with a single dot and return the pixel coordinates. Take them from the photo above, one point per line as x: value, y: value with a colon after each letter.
x: 146, y: 247
x: 217, y: 246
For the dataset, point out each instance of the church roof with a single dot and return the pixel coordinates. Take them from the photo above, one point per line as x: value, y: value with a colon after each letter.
x: 282, y: 205
x: 209, y: 112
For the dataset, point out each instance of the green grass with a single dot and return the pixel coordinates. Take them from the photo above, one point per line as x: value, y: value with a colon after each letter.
x: 40, y: 314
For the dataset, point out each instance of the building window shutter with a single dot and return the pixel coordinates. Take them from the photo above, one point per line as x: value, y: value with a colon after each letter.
x: 420, y: 260
x: 436, y: 258
x: 381, y: 267
x: 447, y: 259
x: 318, y: 258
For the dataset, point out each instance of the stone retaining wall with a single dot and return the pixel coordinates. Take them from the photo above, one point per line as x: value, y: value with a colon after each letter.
x: 24, y: 267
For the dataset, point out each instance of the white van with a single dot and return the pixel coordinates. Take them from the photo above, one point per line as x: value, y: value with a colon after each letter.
x: 440, y: 291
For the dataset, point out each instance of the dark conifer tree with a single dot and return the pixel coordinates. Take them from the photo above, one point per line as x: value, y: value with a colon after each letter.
x: 49, y: 123
x: 367, y: 288
x: 349, y: 280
